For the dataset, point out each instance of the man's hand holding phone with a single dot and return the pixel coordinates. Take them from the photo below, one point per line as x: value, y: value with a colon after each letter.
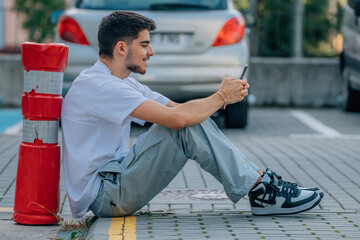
x: 234, y: 90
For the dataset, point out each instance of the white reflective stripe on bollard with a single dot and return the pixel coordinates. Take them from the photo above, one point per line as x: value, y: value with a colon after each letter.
x: 47, y: 131
x: 43, y: 82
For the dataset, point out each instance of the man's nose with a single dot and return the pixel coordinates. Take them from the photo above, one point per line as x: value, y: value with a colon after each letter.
x: 151, y: 52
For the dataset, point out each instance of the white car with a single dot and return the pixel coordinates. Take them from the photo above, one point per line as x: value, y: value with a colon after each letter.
x: 197, y: 43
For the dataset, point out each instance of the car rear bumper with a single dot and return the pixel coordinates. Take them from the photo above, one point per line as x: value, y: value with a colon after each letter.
x: 180, y: 76
x: 177, y: 83
x: 184, y: 82
x: 352, y: 62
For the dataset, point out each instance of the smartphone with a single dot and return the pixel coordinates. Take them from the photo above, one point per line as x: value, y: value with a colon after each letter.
x: 244, y: 71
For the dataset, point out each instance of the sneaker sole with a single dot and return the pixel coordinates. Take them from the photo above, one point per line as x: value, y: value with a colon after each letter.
x: 258, y: 211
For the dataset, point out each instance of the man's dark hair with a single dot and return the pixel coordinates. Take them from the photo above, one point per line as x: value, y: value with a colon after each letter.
x: 121, y: 26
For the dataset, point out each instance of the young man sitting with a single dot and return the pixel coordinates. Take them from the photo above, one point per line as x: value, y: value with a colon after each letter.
x: 104, y: 176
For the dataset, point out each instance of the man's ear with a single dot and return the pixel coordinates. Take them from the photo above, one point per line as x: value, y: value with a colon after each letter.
x: 121, y: 48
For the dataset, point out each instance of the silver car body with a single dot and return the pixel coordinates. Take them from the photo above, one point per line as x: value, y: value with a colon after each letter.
x: 185, y: 64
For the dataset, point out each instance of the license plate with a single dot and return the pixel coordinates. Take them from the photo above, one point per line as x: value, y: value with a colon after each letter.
x: 166, y: 38
x: 169, y: 42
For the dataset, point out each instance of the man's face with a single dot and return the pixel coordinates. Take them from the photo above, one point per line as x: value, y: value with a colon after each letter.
x: 139, y: 52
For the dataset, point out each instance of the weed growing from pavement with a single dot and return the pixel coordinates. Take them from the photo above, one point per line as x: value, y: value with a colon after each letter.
x: 73, y: 230
x: 71, y: 225
x: 51, y: 212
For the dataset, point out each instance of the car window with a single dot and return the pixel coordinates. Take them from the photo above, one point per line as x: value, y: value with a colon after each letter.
x: 156, y: 5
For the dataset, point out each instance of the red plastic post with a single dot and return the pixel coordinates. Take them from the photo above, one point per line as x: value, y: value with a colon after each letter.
x: 37, y: 193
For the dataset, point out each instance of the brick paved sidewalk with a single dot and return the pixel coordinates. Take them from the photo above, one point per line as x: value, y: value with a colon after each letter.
x: 194, y: 205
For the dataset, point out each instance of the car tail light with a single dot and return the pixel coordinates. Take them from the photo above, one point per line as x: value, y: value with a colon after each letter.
x: 69, y: 30
x: 231, y: 33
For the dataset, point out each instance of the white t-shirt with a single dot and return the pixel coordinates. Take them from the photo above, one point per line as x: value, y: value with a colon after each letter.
x: 96, y: 125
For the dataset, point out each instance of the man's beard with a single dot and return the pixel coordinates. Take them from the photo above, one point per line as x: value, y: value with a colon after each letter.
x: 133, y: 67
x: 136, y: 69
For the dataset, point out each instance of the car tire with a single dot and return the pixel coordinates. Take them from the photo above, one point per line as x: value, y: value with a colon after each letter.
x: 236, y: 115
x: 351, y: 97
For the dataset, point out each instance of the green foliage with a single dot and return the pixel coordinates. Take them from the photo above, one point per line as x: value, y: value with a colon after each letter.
x: 36, y: 15
x: 274, y: 27
x: 318, y: 24
x: 274, y: 33
x: 242, y: 5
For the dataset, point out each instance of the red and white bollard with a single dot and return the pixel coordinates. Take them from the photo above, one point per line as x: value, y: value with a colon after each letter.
x: 37, y: 193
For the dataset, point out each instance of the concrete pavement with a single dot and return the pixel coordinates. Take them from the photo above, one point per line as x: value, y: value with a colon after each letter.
x: 313, y: 147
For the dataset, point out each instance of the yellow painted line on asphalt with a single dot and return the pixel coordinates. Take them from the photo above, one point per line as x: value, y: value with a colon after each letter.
x: 6, y: 209
x: 116, y: 228
x: 122, y: 228
x: 130, y: 228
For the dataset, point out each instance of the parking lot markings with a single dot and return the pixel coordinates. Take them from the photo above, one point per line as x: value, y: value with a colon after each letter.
x: 315, y: 124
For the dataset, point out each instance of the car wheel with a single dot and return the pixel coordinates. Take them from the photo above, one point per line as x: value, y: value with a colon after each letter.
x: 351, y: 97
x: 236, y: 115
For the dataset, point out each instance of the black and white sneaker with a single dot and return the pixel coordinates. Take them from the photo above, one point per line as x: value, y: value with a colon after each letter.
x: 270, y: 196
x: 273, y: 174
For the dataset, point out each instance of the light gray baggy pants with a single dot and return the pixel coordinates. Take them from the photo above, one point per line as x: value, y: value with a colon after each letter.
x: 157, y: 157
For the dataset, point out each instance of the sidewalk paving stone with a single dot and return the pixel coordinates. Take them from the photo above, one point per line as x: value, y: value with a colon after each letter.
x: 194, y: 205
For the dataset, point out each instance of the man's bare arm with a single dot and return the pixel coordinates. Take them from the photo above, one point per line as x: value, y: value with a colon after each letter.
x: 177, y: 116
x: 172, y: 104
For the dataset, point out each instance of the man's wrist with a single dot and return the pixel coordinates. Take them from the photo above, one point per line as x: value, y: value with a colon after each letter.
x: 223, y: 97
